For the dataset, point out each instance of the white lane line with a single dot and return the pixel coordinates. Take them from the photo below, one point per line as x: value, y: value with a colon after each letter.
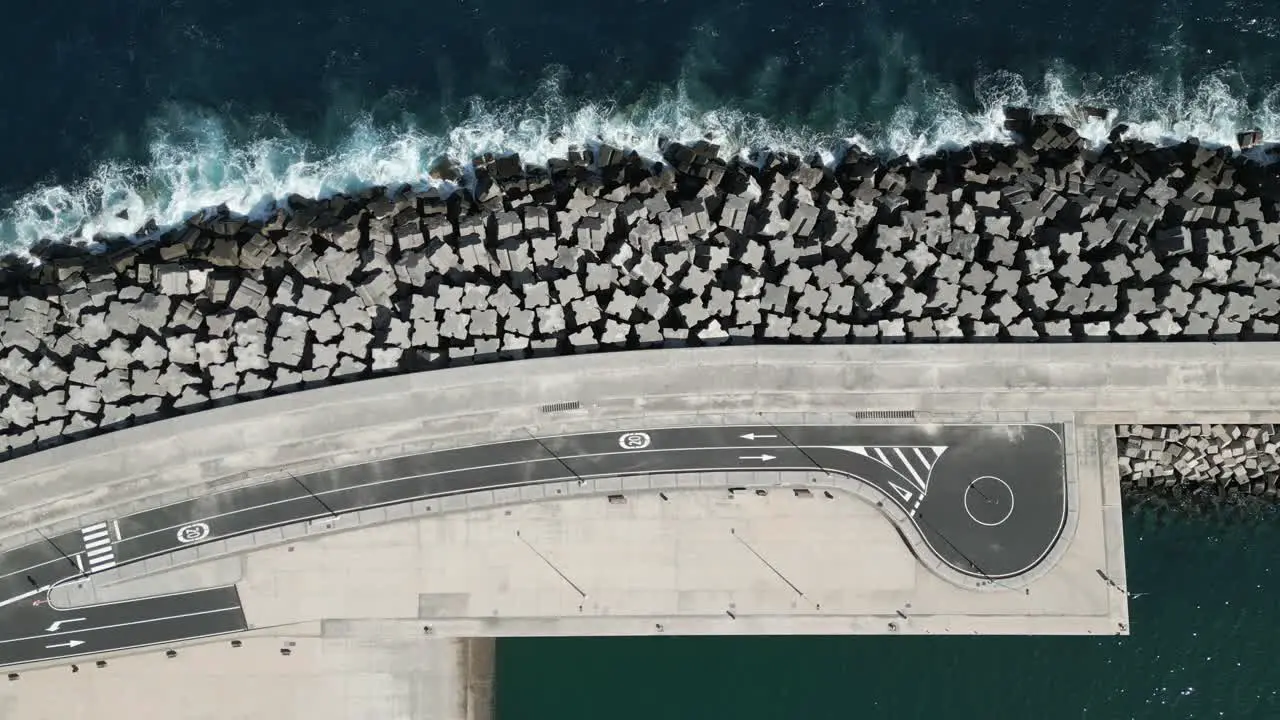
x: 420, y: 476
x: 37, y: 566
x: 442, y: 472
x: 104, y: 603
x: 74, y: 653
x: 484, y: 467
x: 80, y: 562
x: 82, y: 630
x: 581, y: 436
x: 115, y: 525
x: 24, y: 596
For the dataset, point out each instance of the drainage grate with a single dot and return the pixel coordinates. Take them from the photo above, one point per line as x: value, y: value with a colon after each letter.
x: 561, y: 406
x: 885, y: 415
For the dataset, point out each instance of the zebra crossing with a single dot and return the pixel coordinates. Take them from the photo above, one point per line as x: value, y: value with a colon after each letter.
x: 98, y: 550
x: 912, y: 463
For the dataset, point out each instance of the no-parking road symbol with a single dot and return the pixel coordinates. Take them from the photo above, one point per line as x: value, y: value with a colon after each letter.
x: 635, y: 441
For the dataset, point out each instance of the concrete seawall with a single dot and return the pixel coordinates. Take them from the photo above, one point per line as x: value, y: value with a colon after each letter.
x: 1045, y: 242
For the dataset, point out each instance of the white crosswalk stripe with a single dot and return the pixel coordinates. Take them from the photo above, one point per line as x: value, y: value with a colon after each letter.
x: 98, y: 548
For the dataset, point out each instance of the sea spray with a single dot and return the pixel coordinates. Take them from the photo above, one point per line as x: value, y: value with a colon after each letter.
x: 199, y: 159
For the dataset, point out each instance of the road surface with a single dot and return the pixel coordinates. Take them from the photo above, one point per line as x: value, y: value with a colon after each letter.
x: 988, y: 500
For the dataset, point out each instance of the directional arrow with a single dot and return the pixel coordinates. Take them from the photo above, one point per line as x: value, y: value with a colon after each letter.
x: 753, y: 436
x: 67, y: 644
x: 762, y: 458
x: 58, y: 624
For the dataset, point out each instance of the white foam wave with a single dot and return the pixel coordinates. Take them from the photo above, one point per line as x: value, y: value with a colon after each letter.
x: 195, y: 161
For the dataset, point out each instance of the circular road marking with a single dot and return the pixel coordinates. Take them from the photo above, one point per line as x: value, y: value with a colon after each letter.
x: 988, y: 500
x: 635, y: 441
x: 194, y: 532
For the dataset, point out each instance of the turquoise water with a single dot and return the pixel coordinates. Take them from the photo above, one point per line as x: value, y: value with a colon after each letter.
x: 1205, y: 643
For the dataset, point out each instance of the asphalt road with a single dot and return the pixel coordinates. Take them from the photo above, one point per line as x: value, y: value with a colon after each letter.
x: 989, y: 501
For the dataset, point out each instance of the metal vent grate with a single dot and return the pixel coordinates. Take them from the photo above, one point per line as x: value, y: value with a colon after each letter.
x: 885, y: 415
x: 561, y: 406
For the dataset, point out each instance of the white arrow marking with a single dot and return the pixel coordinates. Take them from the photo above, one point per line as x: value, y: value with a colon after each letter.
x: 67, y: 644
x: 763, y: 458
x: 753, y: 436
x: 54, y: 627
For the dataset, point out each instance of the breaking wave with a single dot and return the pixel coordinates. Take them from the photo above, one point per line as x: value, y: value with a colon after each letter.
x: 197, y: 159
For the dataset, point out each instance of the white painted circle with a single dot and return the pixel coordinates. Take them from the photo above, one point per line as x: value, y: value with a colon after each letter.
x: 992, y: 482
x: 635, y: 441
x: 193, y: 533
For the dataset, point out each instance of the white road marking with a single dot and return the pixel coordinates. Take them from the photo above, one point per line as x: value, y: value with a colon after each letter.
x: 98, y: 547
x: 67, y: 644
x: 57, y: 624
x: 900, y: 461
x: 420, y: 476
x: 923, y: 460
x: 195, y: 532
x: 937, y: 450
x: 910, y: 467
x: 115, y: 525
x: 602, y: 434
x: 185, y: 639
x: 127, y: 624
x: 24, y: 596
x: 905, y: 494
x: 634, y: 441
x: 30, y: 568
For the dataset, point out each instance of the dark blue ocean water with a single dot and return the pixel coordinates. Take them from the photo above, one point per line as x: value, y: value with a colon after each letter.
x: 155, y: 108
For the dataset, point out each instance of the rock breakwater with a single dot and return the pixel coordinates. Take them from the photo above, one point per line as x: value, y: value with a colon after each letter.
x: 1042, y: 241
x: 1213, y: 460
